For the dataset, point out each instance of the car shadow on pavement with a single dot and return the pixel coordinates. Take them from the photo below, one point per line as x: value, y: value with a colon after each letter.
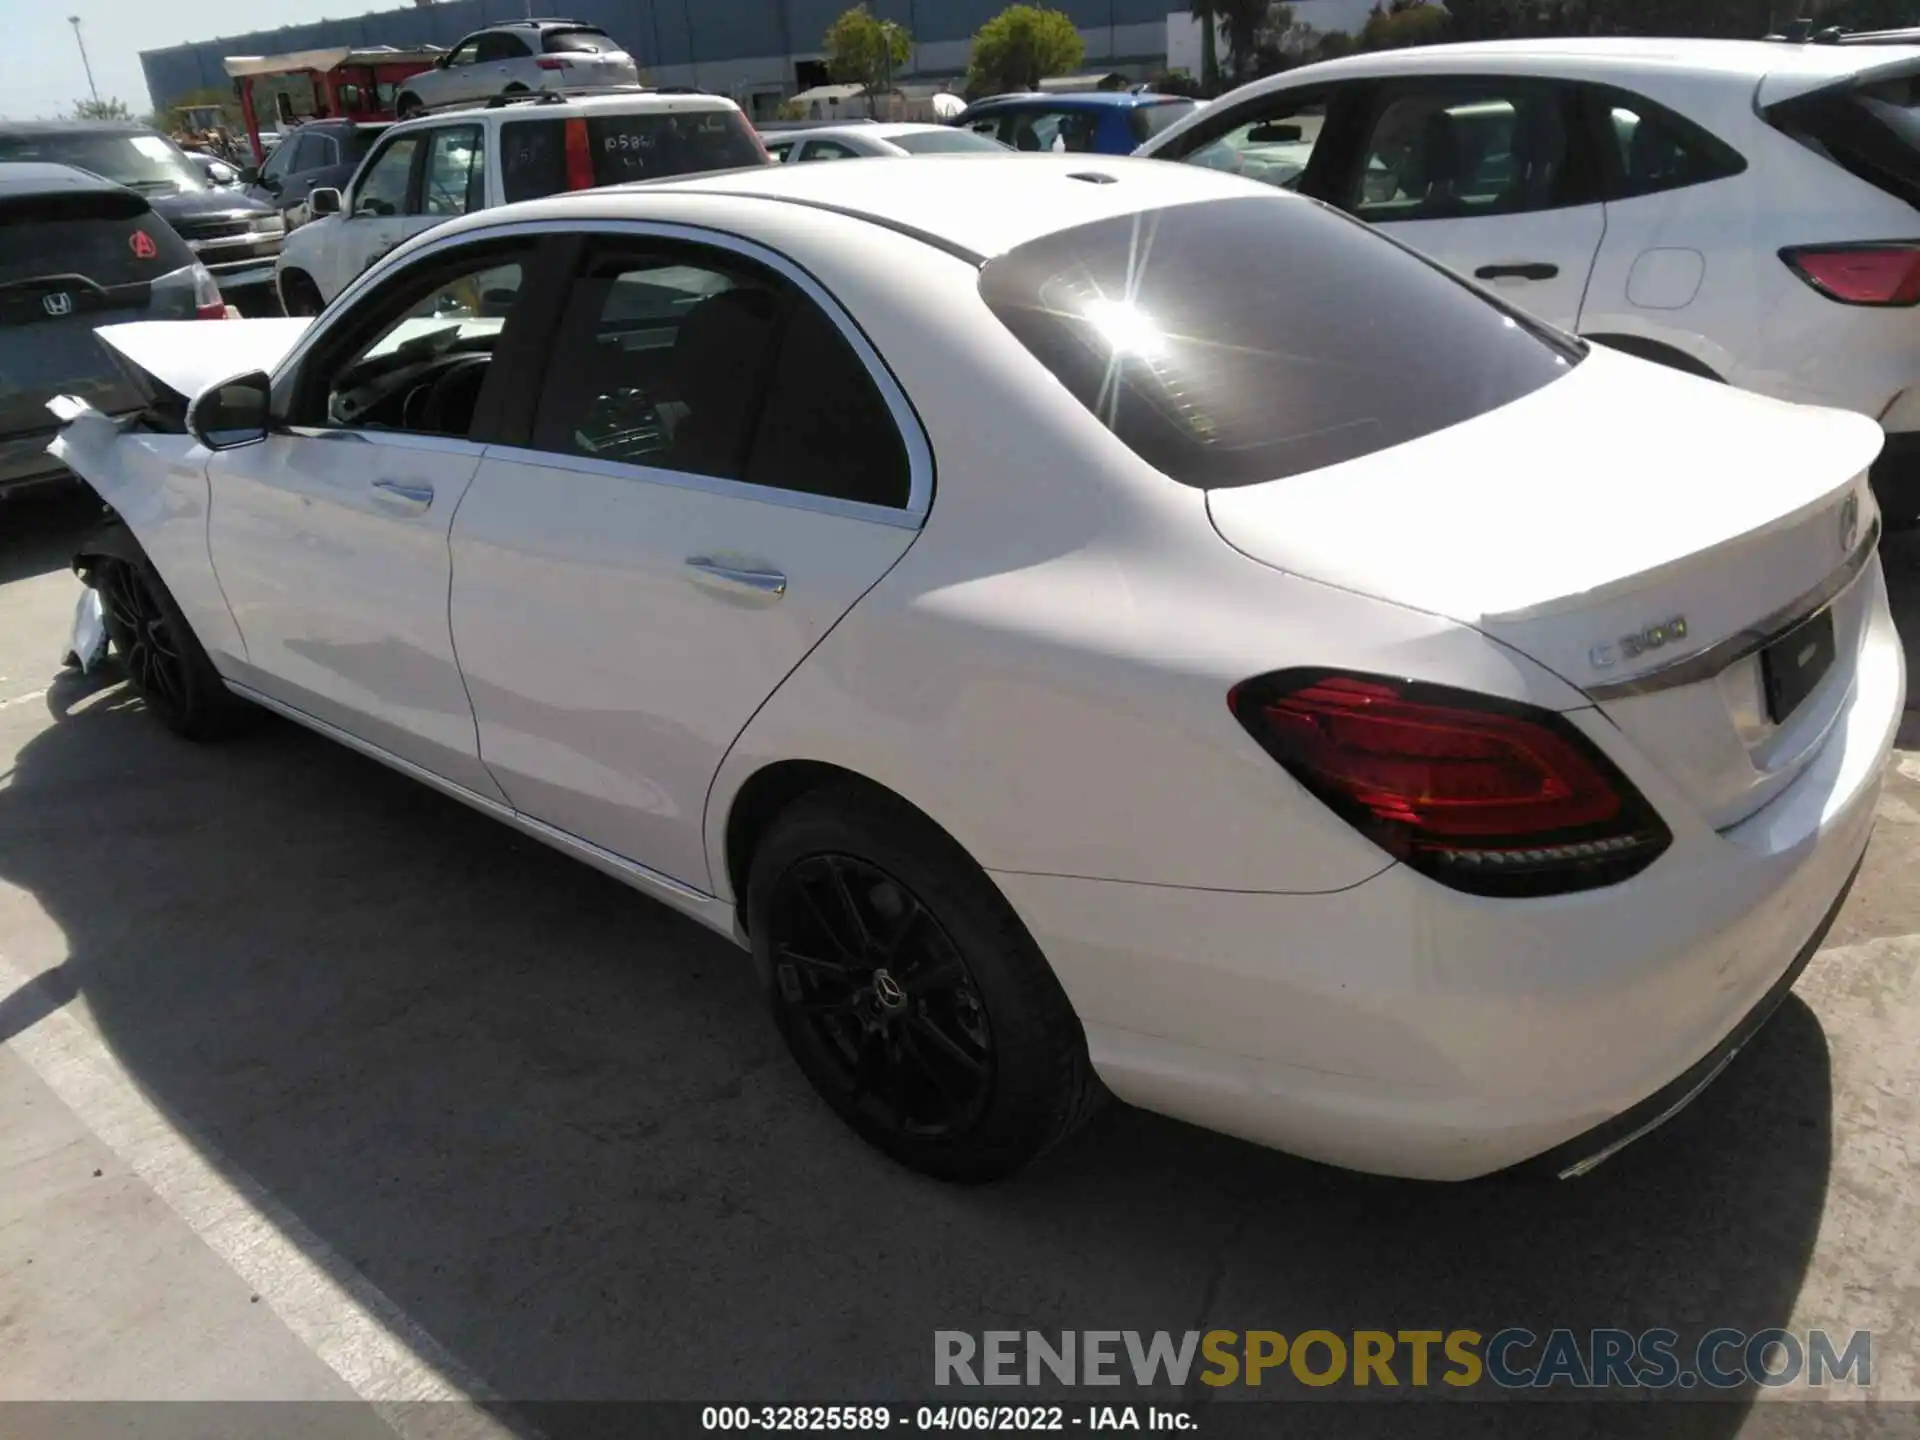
x: 38, y: 529
x: 547, y: 1118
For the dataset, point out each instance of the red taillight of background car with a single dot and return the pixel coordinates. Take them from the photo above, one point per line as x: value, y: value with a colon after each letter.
x: 579, y: 156
x: 551, y: 62
x: 1484, y: 795
x: 1886, y: 274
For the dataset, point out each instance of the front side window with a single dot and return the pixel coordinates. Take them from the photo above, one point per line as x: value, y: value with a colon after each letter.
x: 1233, y: 342
x: 1461, y: 151
x: 465, y: 53
x: 419, y: 362
x: 277, y: 163
x: 454, y: 180
x: 383, y: 189
x: 1055, y: 130
x: 1273, y: 147
x: 708, y: 365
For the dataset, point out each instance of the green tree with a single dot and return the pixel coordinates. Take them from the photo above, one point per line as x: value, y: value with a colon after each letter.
x: 112, y: 108
x: 1020, y: 47
x: 864, y: 50
x: 1403, y: 25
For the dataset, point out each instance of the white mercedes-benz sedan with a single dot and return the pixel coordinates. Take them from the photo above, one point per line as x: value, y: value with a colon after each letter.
x: 1084, y: 624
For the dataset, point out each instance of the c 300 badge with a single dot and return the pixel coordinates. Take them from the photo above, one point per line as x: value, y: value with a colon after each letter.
x: 1640, y: 643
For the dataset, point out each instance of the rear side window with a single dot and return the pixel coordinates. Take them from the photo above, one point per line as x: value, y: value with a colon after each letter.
x: 108, y: 240
x: 580, y: 42
x: 1872, y: 131
x: 1149, y: 120
x: 546, y: 156
x: 1656, y: 150
x: 1232, y: 342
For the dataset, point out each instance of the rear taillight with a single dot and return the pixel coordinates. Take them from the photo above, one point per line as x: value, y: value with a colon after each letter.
x: 1484, y: 795
x: 208, y: 303
x: 579, y: 156
x: 1886, y: 273
x: 552, y: 62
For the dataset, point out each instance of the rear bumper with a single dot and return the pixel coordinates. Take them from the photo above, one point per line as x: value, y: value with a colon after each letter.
x: 1402, y: 1028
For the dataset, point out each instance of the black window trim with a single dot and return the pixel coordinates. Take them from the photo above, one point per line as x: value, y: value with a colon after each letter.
x: 512, y: 445
x: 1585, y: 180
x: 375, y: 156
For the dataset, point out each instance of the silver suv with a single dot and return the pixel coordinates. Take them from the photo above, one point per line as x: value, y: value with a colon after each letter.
x: 518, y: 57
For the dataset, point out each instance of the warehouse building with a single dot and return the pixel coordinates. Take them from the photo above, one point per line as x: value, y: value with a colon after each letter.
x: 758, y: 51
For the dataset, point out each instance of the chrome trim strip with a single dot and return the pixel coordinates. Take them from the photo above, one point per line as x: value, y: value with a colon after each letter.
x: 427, y: 246
x: 665, y: 887
x: 1706, y: 664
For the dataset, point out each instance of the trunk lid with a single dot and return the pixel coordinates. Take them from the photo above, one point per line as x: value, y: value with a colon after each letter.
x: 1638, y: 532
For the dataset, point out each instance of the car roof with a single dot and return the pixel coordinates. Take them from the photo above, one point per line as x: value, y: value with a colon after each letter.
x: 539, y: 23
x: 978, y: 205
x: 39, y: 177
x: 75, y: 127
x: 1746, y: 59
x: 627, y: 102
x: 1076, y: 98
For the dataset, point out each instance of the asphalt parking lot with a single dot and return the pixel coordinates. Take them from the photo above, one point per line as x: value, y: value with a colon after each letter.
x: 317, y: 1085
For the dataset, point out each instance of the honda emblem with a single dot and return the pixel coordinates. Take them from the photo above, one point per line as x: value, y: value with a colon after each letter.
x: 58, y: 304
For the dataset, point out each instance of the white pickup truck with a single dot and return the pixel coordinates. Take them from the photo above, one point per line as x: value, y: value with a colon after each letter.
x: 446, y: 164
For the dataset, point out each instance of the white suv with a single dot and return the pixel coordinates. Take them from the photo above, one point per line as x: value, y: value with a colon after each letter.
x: 1739, y: 209
x: 515, y: 57
x: 428, y: 171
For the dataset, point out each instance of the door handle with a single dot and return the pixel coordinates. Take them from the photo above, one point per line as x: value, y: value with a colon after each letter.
x: 410, y: 494
x: 1534, y: 270
x: 733, y: 577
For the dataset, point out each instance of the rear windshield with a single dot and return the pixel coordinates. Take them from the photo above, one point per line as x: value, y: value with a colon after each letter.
x: 1150, y: 120
x: 947, y: 142
x: 151, y: 164
x: 1872, y: 131
x: 108, y: 240
x: 581, y: 42
x: 646, y: 146
x: 1232, y: 342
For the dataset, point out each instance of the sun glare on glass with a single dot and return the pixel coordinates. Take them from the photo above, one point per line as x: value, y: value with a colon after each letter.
x: 1126, y: 329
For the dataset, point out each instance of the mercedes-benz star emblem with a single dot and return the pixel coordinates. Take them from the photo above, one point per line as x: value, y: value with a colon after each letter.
x: 1849, y: 523
x: 57, y: 304
x: 888, y: 990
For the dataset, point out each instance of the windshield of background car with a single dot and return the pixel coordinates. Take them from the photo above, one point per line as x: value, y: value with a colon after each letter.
x: 634, y: 146
x: 580, y: 42
x: 1232, y: 342
x: 947, y: 142
x: 1149, y: 120
x: 151, y: 164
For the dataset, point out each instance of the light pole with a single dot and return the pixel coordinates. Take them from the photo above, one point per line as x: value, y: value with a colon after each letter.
x: 74, y: 20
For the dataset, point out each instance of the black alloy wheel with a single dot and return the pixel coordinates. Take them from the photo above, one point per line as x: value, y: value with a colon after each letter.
x: 143, y: 632
x: 882, y: 996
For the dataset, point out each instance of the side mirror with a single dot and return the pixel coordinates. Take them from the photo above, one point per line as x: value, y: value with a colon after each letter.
x: 233, y: 413
x: 323, y: 200
x: 1275, y: 134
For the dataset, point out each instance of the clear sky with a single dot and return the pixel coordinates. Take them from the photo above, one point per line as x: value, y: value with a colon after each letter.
x: 40, y: 71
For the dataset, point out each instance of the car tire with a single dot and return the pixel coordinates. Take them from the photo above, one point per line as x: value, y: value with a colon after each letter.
x: 909, y: 992
x: 299, y: 295
x: 162, y: 657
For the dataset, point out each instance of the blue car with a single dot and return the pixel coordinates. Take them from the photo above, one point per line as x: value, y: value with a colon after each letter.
x: 1101, y: 122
